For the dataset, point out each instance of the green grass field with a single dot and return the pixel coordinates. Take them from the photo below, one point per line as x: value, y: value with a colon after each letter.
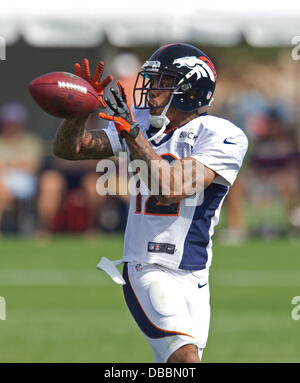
x: 60, y: 308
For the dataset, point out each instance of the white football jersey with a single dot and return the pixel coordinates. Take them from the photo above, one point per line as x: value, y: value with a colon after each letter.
x: 179, y: 235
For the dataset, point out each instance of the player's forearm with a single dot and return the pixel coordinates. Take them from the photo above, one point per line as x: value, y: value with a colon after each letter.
x: 160, y: 174
x: 183, y: 178
x: 68, y: 137
x: 74, y: 142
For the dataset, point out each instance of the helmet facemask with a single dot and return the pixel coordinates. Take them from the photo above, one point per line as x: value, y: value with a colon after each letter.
x: 144, y: 85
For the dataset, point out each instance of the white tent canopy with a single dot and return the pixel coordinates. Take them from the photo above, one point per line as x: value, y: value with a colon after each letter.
x: 126, y: 23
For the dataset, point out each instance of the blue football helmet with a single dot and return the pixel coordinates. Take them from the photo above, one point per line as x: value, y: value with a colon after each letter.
x: 194, y: 77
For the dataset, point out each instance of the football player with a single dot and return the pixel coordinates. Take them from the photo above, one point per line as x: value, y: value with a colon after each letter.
x: 168, y: 245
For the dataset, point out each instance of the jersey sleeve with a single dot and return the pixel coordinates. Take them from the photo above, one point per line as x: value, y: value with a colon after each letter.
x: 117, y: 143
x: 221, y: 152
x: 115, y: 140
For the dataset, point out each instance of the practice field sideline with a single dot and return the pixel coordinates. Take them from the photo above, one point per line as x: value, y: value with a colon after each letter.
x: 60, y: 308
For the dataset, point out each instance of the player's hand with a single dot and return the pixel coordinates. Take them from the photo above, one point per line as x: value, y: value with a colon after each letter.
x: 122, y: 115
x: 98, y: 86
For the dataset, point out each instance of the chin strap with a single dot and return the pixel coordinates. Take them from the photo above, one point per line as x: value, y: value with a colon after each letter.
x: 160, y: 122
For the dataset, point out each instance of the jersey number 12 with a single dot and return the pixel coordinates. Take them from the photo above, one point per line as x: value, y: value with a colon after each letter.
x: 152, y: 206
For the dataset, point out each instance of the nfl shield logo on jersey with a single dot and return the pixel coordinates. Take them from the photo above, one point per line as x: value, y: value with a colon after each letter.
x: 138, y: 267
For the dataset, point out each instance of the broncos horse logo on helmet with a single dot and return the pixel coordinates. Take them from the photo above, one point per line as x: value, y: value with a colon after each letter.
x: 197, y: 66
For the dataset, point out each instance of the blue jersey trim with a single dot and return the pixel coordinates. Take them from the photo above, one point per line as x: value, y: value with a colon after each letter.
x: 195, y: 255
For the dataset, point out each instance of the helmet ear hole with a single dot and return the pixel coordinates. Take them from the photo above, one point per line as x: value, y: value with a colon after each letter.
x: 192, y: 94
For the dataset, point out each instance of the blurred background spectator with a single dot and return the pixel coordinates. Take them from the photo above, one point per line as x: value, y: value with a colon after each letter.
x: 20, y: 157
x: 68, y: 200
x: 273, y: 171
x: 265, y: 196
